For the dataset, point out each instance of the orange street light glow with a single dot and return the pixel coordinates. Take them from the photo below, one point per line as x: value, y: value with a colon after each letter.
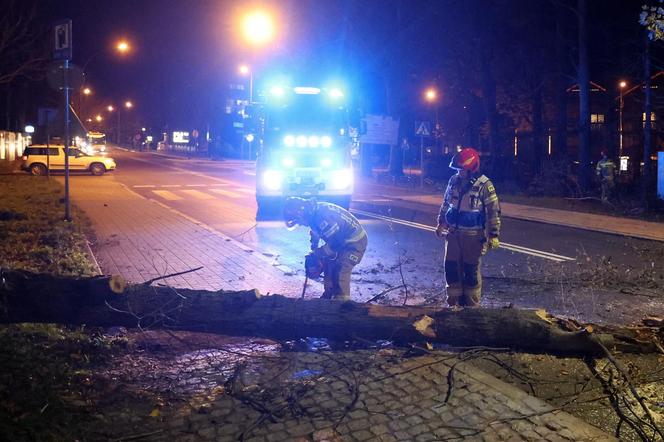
x: 122, y: 46
x: 623, y: 84
x: 129, y: 104
x: 244, y: 69
x: 98, y: 118
x: 87, y: 91
x: 430, y: 94
x: 258, y: 27
x: 110, y: 108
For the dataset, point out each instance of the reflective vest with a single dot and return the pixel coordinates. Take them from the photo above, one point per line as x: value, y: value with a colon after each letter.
x: 471, y: 205
x: 334, y: 225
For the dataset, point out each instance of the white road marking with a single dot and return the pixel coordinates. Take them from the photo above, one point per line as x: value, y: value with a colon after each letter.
x: 196, y: 185
x: 248, y: 172
x: 143, y: 186
x: 226, y: 193
x: 172, y: 185
x: 167, y: 195
x: 504, y: 245
x: 245, y: 190
x: 197, y: 194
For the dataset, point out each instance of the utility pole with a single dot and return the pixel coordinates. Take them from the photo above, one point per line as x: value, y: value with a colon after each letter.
x: 62, y: 50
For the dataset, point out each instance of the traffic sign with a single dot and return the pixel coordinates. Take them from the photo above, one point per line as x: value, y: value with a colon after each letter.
x: 55, y: 76
x: 62, y: 47
x: 423, y: 128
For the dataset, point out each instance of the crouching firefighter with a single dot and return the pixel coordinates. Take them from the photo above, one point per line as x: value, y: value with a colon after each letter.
x: 470, y: 220
x: 344, y: 242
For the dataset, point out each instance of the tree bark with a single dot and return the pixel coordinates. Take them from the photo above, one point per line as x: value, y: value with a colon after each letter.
x: 647, y: 124
x: 27, y: 297
x: 584, y: 98
x: 560, y: 140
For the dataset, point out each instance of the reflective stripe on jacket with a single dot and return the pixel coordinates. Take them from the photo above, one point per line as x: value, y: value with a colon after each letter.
x: 471, y: 204
x: 336, y: 226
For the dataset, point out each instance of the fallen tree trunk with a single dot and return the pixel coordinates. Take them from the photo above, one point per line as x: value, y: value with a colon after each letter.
x: 27, y: 297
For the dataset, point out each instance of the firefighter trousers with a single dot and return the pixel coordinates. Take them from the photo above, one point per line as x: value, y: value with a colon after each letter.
x: 462, y: 267
x: 337, y: 271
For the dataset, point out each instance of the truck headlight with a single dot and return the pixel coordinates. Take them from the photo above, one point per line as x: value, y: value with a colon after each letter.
x: 272, y: 179
x: 325, y: 141
x: 341, y: 179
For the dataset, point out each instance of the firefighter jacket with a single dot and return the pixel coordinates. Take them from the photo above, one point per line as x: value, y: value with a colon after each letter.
x: 334, y: 225
x: 605, y: 169
x: 471, y: 204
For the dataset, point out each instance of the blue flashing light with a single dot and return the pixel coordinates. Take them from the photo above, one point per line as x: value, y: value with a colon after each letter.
x: 305, y: 90
x: 336, y: 93
x: 277, y: 91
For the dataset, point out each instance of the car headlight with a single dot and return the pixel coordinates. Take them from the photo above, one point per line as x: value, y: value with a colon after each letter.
x: 341, y: 179
x: 272, y: 179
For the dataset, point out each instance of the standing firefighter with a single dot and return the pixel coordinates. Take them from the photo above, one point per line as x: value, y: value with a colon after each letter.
x: 345, y: 242
x: 470, y: 219
x: 606, y: 171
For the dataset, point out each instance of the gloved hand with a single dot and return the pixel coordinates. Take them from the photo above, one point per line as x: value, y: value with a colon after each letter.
x: 494, y: 243
x: 313, y: 266
x: 441, y: 230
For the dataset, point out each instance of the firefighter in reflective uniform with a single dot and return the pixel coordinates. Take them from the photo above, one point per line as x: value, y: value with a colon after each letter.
x: 470, y: 220
x: 345, y: 242
x: 606, y: 172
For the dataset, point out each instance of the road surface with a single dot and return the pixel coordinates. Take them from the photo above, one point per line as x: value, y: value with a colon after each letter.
x: 588, y: 275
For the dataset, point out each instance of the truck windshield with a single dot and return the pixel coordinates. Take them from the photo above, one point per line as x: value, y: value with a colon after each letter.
x: 310, y: 114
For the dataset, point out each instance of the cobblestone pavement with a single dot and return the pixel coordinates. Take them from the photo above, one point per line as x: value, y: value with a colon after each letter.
x: 370, y: 396
x: 305, y: 396
x: 141, y: 239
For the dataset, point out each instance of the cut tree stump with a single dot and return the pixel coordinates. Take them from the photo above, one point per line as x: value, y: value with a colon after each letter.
x: 28, y: 297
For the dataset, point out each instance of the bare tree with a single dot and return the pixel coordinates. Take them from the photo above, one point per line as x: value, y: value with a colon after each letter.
x: 20, y: 45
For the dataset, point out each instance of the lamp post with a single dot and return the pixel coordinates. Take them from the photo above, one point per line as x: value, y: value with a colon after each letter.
x: 431, y: 96
x: 246, y: 70
x: 622, y: 85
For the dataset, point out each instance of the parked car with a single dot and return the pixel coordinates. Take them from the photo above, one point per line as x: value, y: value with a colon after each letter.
x: 38, y: 158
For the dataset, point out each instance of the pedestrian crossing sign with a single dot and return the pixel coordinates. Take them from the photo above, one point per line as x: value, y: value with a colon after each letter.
x: 423, y: 128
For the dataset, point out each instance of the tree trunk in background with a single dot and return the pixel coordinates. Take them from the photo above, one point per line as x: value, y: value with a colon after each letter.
x: 489, y: 92
x: 584, y: 99
x: 647, y: 126
x: 560, y: 140
x: 538, y: 131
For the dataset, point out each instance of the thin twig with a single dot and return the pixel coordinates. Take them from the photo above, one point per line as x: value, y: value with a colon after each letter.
x: 150, y: 281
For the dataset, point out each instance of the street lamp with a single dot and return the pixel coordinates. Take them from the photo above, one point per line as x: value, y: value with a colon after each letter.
x: 128, y: 104
x: 430, y: 95
x: 87, y: 91
x: 122, y: 46
x: 258, y: 27
x: 98, y: 118
x: 110, y: 108
x: 622, y: 85
x: 246, y: 70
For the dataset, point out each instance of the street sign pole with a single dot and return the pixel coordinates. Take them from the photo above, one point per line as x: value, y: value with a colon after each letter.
x: 67, y: 141
x: 62, y: 50
x: 421, y: 161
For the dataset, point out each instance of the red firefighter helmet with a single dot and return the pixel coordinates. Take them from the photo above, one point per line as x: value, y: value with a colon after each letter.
x: 466, y: 159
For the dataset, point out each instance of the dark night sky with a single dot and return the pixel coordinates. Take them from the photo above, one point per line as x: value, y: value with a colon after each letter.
x: 186, y: 51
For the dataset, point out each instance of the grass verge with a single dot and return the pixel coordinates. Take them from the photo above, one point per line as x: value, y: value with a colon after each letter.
x: 33, y: 234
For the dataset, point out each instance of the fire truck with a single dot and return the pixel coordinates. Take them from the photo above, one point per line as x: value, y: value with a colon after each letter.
x: 304, y: 147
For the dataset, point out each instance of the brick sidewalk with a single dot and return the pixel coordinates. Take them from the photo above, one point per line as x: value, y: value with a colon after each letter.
x: 369, y: 396
x: 141, y: 239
